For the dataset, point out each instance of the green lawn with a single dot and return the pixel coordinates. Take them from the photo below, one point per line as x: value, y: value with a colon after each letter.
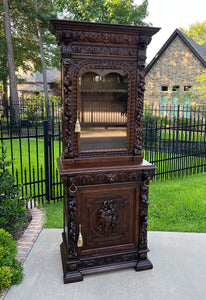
x: 178, y: 204
x: 175, y: 205
x: 31, y: 151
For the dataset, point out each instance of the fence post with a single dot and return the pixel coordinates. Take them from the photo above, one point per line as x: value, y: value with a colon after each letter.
x: 46, y: 159
x: 177, y: 129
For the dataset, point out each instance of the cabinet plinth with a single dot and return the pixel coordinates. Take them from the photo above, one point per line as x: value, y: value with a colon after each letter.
x: 104, y: 175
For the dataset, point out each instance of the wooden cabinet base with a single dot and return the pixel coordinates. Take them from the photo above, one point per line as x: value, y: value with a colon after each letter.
x: 74, y: 269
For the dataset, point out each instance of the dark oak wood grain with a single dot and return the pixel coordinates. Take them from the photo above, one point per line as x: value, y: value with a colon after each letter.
x: 105, y: 189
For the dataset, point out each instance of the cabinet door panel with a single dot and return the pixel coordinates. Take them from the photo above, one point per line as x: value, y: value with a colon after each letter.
x: 109, y: 218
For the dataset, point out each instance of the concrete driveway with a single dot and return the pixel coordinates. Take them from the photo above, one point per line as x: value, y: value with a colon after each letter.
x: 179, y: 272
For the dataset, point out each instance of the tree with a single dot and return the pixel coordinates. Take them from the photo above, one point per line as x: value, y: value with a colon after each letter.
x: 10, y: 56
x: 197, y: 32
x: 25, y: 43
x: 107, y: 11
x: 200, y: 89
x: 46, y: 92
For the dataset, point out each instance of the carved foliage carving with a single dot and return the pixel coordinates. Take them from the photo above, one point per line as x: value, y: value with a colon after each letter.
x: 147, y: 176
x: 107, y: 218
x: 144, y: 41
x: 66, y: 36
x: 72, y: 224
x: 100, y: 261
x: 107, y: 178
x: 101, y: 50
x: 68, y: 111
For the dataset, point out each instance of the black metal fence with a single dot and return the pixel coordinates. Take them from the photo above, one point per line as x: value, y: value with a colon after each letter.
x: 174, y: 140
x: 33, y: 145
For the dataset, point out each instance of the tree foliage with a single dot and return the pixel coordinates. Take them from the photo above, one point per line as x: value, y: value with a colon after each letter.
x: 200, y: 89
x: 107, y: 11
x: 12, y: 205
x: 197, y: 32
x: 24, y: 36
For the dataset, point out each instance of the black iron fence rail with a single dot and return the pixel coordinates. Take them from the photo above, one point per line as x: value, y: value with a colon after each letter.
x: 174, y: 142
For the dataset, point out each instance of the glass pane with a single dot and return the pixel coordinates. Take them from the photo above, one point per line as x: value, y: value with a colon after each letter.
x: 103, y: 109
x: 163, y: 105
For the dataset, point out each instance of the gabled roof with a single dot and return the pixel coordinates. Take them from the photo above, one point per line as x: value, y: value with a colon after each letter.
x: 33, y: 87
x: 38, y: 77
x: 198, y: 50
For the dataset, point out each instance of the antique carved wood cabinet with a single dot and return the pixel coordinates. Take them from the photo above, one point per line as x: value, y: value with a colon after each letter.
x: 104, y: 175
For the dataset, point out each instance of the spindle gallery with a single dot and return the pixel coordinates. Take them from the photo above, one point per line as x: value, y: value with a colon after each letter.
x: 104, y: 175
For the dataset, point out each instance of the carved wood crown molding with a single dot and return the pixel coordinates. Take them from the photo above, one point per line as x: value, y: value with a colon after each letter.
x: 144, y: 41
x: 65, y: 37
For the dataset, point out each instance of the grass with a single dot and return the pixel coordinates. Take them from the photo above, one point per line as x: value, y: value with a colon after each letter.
x: 54, y: 215
x: 175, y: 205
x: 31, y: 151
x: 178, y: 205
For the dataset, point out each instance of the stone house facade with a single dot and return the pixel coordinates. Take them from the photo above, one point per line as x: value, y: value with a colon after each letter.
x: 173, y: 70
x: 33, y: 82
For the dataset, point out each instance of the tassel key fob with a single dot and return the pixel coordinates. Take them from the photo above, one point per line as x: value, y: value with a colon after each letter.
x: 80, y: 239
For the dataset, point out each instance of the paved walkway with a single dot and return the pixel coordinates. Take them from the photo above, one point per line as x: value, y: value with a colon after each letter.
x: 179, y: 272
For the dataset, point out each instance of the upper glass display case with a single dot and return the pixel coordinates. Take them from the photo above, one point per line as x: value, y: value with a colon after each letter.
x: 103, y: 69
x: 103, y: 109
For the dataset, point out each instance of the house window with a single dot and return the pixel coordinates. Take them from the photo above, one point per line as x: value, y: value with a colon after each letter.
x: 164, y: 88
x: 174, y: 105
x: 187, y: 88
x: 163, y: 105
x: 175, y: 88
x: 186, y: 104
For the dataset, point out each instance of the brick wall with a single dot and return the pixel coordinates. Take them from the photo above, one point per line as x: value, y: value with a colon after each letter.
x: 177, y: 66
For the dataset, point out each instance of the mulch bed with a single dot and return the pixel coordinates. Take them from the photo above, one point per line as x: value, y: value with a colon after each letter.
x: 19, y: 231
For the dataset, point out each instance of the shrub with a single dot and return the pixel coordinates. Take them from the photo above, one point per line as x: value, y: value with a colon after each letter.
x: 150, y: 129
x: 11, y: 271
x: 12, y: 206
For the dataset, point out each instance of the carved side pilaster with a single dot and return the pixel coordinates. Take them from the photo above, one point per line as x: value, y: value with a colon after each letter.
x: 68, y: 114
x: 141, y: 58
x: 72, y: 223
x: 147, y: 176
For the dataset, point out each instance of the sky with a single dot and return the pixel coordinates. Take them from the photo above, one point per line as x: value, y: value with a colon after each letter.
x: 169, y: 15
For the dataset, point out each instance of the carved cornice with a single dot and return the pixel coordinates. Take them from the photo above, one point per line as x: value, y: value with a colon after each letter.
x: 67, y: 36
x: 144, y: 42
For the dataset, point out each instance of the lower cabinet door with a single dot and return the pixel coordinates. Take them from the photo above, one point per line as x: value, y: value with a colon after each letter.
x: 109, y: 218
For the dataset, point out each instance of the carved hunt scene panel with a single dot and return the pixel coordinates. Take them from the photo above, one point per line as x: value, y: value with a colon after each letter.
x: 108, y: 218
